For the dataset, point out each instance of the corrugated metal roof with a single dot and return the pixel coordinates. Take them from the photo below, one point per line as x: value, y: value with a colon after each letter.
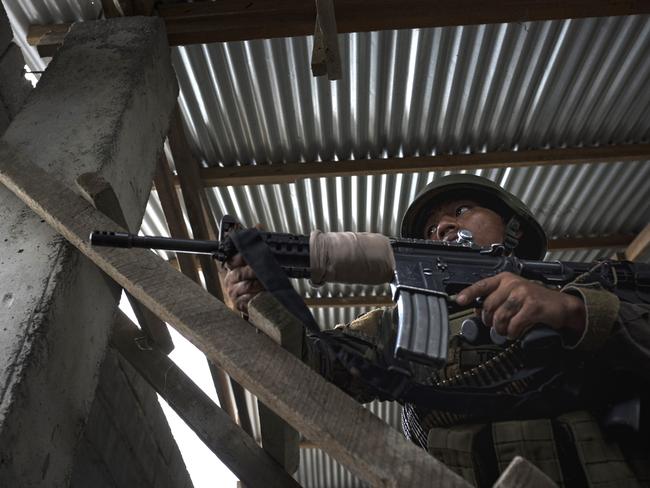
x: 423, y: 91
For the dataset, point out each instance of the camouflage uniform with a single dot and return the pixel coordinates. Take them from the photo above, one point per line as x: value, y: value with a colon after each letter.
x: 571, y: 448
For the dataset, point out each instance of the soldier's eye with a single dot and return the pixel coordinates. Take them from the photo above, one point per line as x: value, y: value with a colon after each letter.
x: 431, y: 231
x: 462, y: 209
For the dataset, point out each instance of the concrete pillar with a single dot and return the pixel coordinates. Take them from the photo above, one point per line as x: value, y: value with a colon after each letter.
x: 103, y: 105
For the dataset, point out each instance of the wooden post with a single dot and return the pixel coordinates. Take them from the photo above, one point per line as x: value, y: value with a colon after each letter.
x: 355, y: 437
x: 279, y: 439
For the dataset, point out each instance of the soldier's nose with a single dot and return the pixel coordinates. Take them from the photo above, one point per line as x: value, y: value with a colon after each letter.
x: 445, y: 227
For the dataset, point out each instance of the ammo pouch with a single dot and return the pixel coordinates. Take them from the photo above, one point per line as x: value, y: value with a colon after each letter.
x: 570, y: 449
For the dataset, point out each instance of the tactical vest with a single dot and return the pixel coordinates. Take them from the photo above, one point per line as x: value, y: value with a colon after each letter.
x: 571, y: 448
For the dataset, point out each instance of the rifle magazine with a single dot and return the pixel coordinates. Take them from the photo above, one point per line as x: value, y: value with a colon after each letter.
x: 423, y: 327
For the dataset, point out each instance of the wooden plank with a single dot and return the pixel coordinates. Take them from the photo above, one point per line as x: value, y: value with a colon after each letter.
x: 221, y: 21
x: 594, y: 242
x: 236, y: 449
x: 291, y: 172
x: 279, y: 439
x: 204, y: 22
x: 47, y: 35
x: 639, y: 248
x: 354, y: 436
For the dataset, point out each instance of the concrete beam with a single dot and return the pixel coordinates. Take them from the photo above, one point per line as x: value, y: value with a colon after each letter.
x: 102, y: 106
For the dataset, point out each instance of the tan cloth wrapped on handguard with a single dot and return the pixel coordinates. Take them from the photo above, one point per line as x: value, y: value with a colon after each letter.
x: 350, y: 257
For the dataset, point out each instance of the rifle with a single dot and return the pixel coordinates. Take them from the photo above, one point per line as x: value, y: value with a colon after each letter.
x: 427, y: 274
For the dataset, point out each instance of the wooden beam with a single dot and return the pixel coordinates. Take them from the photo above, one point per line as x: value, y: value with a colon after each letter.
x: 322, y: 412
x: 204, y: 22
x: 291, y: 172
x: 47, y: 35
x: 639, y: 248
x: 237, y: 20
x: 269, y: 316
x: 595, y: 242
x: 236, y: 449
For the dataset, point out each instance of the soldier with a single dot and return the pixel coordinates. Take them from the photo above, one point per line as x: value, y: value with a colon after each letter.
x: 607, y: 344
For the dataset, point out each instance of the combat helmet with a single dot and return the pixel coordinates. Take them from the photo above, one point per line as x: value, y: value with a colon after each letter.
x: 533, y: 243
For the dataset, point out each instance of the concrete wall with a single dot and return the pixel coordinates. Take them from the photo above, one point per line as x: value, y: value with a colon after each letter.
x: 127, y: 441
x: 103, y: 105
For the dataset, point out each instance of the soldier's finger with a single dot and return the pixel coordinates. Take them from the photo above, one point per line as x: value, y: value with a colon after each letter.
x: 259, y: 226
x: 481, y: 288
x: 235, y: 262
x: 498, y: 297
x: 243, y: 273
x: 520, y: 322
x: 504, y: 314
x: 252, y: 286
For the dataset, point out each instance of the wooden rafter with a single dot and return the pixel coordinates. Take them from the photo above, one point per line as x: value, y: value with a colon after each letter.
x: 291, y: 172
x: 205, y: 22
x: 595, y: 242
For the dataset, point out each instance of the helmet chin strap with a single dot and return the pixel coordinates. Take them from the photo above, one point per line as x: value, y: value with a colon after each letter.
x: 511, y: 239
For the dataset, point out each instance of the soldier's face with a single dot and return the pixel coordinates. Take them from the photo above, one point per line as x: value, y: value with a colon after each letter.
x: 449, y: 217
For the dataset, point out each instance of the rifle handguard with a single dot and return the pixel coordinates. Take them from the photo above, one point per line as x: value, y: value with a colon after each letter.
x: 350, y: 257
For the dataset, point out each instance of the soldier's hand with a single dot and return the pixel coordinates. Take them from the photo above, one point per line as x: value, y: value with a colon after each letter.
x: 241, y: 283
x: 513, y: 304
